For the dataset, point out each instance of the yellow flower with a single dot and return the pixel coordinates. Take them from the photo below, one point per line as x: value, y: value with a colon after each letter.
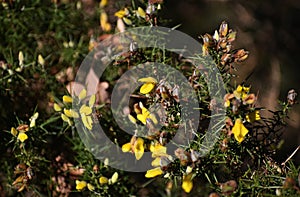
x: 103, y: 3
x: 187, y: 183
x: 103, y: 180
x: 145, y: 115
x: 121, y: 13
x: 80, y: 185
x: 140, y: 12
x: 56, y: 107
x: 114, y: 178
x: 71, y: 113
x: 82, y: 94
x: 149, y: 84
x: 105, y: 25
x: 239, y: 130
x: 67, y: 99
x: 64, y: 117
x: 154, y: 172
x: 136, y: 145
x: 253, y: 116
x: 158, y: 150
x: 90, y: 187
x: 13, y: 131
x: 22, y: 137
x: 138, y: 148
x: 41, y: 60
x: 33, y: 118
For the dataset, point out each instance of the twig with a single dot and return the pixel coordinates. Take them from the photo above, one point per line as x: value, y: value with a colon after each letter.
x: 295, y: 151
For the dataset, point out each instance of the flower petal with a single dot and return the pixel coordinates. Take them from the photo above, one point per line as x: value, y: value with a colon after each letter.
x: 71, y: 113
x: 86, y: 120
x: 156, y: 162
x: 90, y: 187
x: 114, y: 178
x: 80, y: 185
x: 239, y: 130
x: 154, y: 172
x: 148, y: 80
x: 85, y: 110
x: 33, y: 119
x: 187, y: 184
x: 41, y: 60
x: 56, y: 107
x: 141, y: 12
x: 146, y: 88
x: 158, y: 150
x: 64, y: 117
x: 82, y: 94
x: 126, y: 147
x: 67, y: 99
x: 120, y: 13
x: 13, y: 131
x: 132, y: 119
x: 153, y: 118
x: 127, y: 21
x: 103, y: 3
x: 141, y: 118
x: 103, y: 180
x: 249, y: 99
x: 92, y: 100
x: 138, y: 148
x: 22, y: 137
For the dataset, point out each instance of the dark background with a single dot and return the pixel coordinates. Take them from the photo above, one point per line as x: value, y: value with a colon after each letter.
x: 270, y: 31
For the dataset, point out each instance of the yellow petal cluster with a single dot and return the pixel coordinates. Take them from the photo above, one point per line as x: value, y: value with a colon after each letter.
x: 241, y: 92
x: 146, y: 115
x: 136, y: 145
x: 20, y: 132
x: 158, y: 152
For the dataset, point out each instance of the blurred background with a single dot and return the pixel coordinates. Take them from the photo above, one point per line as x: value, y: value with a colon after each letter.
x: 270, y: 30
